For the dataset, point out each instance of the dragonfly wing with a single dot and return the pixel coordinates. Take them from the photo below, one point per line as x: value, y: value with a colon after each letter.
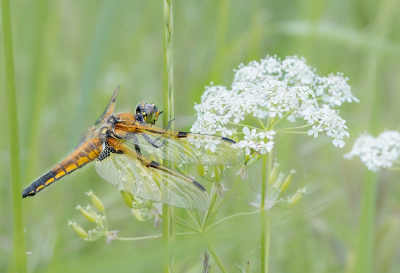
x: 150, y: 180
x: 109, y: 109
x: 182, y: 147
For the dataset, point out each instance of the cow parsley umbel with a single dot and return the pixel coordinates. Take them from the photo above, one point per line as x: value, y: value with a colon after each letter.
x: 251, y: 111
x: 378, y: 153
x: 268, y: 92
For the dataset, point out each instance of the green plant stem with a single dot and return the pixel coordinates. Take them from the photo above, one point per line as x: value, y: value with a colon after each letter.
x: 244, y: 125
x: 267, y: 239
x: 188, y: 226
x: 194, y: 220
x: 293, y: 128
x: 365, y: 243
x: 168, y: 212
x: 258, y: 122
x: 152, y: 237
x: 226, y: 197
x: 213, y: 199
x: 215, y: 256
x: 290, y: 132
x: 278, y: 120
x: 19, y: 261
x: 263, y: 215
x: 229, y: 217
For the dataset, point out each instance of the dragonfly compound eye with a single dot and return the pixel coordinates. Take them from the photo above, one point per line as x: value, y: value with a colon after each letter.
x: 151, y: 113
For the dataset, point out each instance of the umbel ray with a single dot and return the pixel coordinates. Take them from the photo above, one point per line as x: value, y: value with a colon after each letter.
x: 121, y: 146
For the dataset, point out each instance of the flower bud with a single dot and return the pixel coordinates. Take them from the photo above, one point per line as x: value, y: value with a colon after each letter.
x: 201, y: 170
x: 287, y: 181
x: 96, y: 201
x: 89, y: 216
x: 297, y: 196
x: 81, y: 232
x: 273, y: 174
x: 127, y: 199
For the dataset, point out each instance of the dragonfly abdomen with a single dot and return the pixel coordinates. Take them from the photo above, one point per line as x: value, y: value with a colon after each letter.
x: 84, y: 154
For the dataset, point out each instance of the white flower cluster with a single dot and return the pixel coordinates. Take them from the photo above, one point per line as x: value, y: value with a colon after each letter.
x: 277, y: 89
x: 377, y: 153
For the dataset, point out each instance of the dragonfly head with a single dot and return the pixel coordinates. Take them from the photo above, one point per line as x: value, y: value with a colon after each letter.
x: 148, y: 112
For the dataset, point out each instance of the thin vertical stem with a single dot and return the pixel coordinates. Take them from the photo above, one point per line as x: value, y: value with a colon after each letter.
x: 19, y: 264
x: 168, y: 212
x: 365, y: 245
x: 263, y: 215
x: 215, y: 256
x: 267, y: 240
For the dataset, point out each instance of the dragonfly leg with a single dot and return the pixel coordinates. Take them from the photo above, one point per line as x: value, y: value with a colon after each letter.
x: 136, y: 142
x: 153, y: 142
x: 169, y: 124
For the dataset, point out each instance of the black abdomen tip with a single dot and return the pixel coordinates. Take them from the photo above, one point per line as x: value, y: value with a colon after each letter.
x: 27, y: 193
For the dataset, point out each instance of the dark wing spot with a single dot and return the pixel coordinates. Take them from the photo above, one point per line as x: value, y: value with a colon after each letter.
x: 182, y: 134
x: 199, y: 186
x: 228, y: 140
x: 154, y: 164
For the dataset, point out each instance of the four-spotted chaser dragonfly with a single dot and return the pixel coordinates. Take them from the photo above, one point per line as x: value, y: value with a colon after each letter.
x: 121, y: 145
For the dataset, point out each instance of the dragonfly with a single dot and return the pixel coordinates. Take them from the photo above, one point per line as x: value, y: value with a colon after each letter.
x: 128, y: 151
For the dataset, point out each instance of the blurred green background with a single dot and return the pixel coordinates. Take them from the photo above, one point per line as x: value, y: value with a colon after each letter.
x: 71, y: 55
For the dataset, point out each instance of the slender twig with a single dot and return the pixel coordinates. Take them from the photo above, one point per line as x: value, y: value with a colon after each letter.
x: 194, y: 220
x: 394, y: 169
x: 226, y: 197
x: 243, y: 125
x: 168, y: 115
x: 263, y: 213
x: 208, y: 212
x: 365, y: 245
x: 257, y: 121
x: 19, y: 235
x: 152, y: 237
x: 278, y: 120
x: 267, y: 238
x: 198, y: 217
x: 262, y: 123
x: 187, y: 226
x: 184, y: 222
x: 290, y: 132
x: 294, y: 128
x: 229, y: 217
x: 215, y: 256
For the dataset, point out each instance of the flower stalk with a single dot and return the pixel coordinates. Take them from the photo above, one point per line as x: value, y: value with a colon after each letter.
x: 19, y: 262
x: 168, y: 212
